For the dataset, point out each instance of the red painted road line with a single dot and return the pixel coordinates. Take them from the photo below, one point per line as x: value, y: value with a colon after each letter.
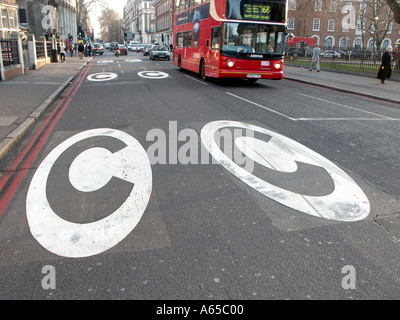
x: 17, y: 181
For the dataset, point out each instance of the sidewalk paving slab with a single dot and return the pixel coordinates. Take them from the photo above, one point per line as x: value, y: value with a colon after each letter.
x: 24, y: 98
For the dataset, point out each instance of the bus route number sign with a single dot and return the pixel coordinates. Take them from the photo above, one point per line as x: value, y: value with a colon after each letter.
x: 257, y: 12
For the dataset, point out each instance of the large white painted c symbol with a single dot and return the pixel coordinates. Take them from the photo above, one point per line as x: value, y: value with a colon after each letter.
x: 75, y: 240
x: 346, y: 203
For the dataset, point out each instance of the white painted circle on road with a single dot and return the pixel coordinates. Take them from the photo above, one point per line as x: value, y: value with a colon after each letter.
x: 75, y: 240
x: 102, y: 76
x: 153, y: 74
x: 346, y: 203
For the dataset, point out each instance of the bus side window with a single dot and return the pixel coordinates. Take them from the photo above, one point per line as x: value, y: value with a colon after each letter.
x: 215, y: 38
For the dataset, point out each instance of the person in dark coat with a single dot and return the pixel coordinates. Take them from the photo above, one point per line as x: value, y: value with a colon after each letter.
x: 385, y: 70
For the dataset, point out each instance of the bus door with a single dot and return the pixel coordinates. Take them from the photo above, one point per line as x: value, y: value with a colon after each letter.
x: 215, y: 48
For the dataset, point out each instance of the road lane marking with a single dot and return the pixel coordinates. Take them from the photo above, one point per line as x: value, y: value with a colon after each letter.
x: 261, y: 106
x: 197, y: 80
x: 346, y: 106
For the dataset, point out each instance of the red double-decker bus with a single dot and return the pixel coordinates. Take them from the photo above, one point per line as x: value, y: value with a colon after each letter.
x: 230, y: 38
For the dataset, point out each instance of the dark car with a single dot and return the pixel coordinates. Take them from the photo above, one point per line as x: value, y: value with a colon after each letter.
x: 98, y: 48
x: 358, y: 55
x: 159, y: 52
x: 146, y: 49
x: 123, y: 49
x: 112, y: 45
x: 298, y: 52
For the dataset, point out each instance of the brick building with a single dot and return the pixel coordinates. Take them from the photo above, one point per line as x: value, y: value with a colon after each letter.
x: 163, y: 11
x: 344, y: 24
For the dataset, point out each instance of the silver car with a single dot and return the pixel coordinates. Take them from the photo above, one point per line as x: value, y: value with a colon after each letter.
x: 159, y: 52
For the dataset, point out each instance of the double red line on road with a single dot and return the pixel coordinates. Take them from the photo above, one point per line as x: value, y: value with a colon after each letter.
x: 39, y: 138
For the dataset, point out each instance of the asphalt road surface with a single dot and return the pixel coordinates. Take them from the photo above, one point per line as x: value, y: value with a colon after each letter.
x: 119, y: 197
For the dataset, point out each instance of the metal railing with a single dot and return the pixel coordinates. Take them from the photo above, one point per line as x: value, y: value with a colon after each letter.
x: 40, y: 52
x: 354, y: 61
x: 10, y: 53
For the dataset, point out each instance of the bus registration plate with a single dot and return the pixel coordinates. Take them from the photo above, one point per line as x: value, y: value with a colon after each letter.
x: 254, y: 75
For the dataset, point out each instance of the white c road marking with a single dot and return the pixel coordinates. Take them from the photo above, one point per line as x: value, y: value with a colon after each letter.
x: 89, y: 172
x: 153, y: 74
x: 346, y: 203
x: 102, y: 76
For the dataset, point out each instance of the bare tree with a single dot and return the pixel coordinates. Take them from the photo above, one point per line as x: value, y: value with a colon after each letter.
x: 111, y: 25
x: 395, y: 7
x: 83, y: 8
x: 376, y: 18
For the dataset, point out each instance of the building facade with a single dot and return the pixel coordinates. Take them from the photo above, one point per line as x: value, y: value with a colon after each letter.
x: 164, y: 11
x: 361, y: 24
x: 140, y: 21
x: 9, y: 22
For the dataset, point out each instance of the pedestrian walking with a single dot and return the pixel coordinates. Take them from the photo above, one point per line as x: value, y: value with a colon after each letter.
x: 62, y: 52
x: 71, y: 49
x: 385, y: 70
x: 315, y: 58
x: 81, y: 49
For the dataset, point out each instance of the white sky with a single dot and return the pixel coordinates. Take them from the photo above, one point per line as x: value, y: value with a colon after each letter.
x: 117, y: 5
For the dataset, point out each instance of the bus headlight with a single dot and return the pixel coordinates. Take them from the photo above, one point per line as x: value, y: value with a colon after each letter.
x: 230, y: 64
x: 277, y: 66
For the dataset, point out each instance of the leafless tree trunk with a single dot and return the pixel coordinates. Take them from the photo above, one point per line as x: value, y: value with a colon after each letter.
x: 395, y: 6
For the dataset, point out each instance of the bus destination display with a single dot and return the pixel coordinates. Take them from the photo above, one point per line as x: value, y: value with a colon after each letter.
x: 258, y: 12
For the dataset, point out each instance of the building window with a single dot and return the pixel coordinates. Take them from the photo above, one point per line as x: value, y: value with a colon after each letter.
x: 316, y: 24
x: 344, y: 43
x: 291, y: 23
x: 4, y: 18
x: 292, y: 4
x: 329, y: 43
x: 333, y: 7
x: 389, y: 28
x: 318, y: 5
x: 331, y: 25
x: 385, y: 44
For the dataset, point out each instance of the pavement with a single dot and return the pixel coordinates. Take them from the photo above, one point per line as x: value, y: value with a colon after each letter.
x: 24, y: 98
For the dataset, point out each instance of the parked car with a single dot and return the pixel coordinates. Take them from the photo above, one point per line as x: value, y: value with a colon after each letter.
x: 331, y: 54
x: 358, y: 54
x: 98, y: 49
x: 107, y: 46
x: 159, y: 52
x: 300, y: 52
x: 123, y: 49
x: 146, y: 49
